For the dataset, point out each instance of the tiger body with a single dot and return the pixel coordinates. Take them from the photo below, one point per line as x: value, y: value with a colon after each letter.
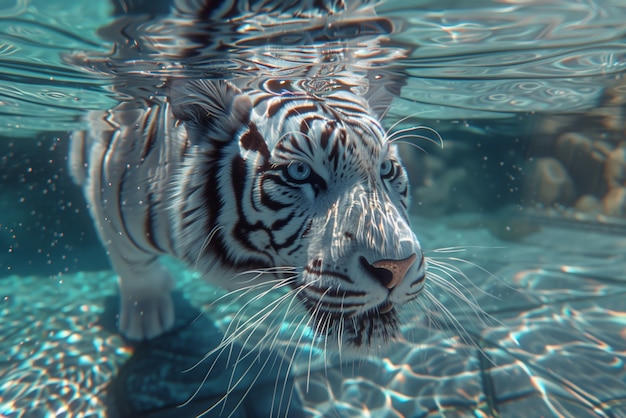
x: 232, y: 179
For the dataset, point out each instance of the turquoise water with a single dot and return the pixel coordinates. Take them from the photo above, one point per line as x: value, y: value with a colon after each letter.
x: 525, y: 202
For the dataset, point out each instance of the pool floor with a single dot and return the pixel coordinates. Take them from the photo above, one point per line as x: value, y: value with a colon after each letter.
x: 550, y: 342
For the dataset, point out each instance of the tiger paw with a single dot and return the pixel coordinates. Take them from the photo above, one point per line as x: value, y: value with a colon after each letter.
x: 144, y: 318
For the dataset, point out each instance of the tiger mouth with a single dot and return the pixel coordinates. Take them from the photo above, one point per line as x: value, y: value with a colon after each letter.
x: 385, y: 308
x: 357, y: 328
x: 372, y: 327
x: 339, y: 316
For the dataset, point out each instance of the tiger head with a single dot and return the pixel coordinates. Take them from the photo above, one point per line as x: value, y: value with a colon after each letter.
x: 288, y: 178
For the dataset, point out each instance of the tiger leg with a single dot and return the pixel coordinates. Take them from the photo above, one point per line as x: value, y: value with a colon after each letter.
x: 146, y: 307
x: 99, y: 162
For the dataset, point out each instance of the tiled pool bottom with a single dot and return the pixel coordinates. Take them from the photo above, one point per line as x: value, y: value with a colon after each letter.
x: 555, y: 345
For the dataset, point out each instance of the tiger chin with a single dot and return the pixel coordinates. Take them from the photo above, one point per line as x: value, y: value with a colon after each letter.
x: 232, y: 180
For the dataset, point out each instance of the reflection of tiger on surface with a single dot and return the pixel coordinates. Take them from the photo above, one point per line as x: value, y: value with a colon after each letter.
x: 304, y: 187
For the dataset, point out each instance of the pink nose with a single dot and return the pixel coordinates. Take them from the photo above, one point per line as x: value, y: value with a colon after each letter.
x: 389, y: 273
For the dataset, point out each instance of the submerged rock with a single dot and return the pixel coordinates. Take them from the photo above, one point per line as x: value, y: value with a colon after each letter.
x: 548, y: 182
x: 588, y: 204
x: 584, y: 159
x: 615, y: 169
x: 615, y: 202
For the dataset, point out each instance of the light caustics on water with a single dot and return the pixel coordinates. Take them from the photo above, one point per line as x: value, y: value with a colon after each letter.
x: 493, y: 59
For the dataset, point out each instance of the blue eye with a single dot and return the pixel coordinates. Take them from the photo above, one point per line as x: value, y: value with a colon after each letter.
x: 298, y: 171
x: 387, y: 169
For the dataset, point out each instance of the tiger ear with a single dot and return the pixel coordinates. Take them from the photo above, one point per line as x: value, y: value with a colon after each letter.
x: 209, y: 105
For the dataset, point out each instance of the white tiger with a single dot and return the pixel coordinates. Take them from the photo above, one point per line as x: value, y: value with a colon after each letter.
x: 232, y: 179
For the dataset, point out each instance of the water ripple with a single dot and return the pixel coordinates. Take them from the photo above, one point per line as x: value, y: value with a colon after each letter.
x: 13, y: 8
x: 482, y: 59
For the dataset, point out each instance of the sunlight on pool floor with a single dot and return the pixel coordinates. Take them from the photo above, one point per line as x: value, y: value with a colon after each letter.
x: 555, y: 344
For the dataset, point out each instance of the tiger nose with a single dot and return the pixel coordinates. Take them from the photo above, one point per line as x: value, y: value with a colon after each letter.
x: 389, y: 272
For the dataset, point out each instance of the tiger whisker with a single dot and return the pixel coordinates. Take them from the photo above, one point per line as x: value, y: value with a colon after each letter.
x: 460, y: 298
x: 402, y: 133
x: 382, y: 115
x: 316, y: 332
x: 326, y: 362
x: 414, y: 145
x: 276, y: 284
x: 219, y: 351
x: 465, y: 335
x: 450, y: 270
x: 420, y: 309
x: 289, y: 295
x: 269, y: 270
x: 435, y: 261
x: 446, y: 276
x: 308, y: 319
x: 340, y: 332
x: 238, y: 294
x: 291, y: 361
x: 273, y: 338
x: 259, y: 272
x: 243, y: 354
x: 460, y: 249
x: 441, y: 307
x: 237, y: 334
x: 402, y: 138
x: 205, y: 245
x: 222, y: 401
x: 454, y: 287
x: 405, y: 118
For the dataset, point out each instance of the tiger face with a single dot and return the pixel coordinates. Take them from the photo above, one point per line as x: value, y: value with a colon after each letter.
x: 306, y: 182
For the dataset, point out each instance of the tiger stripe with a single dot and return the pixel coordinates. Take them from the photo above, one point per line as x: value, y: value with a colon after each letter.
x: 239, y: 176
